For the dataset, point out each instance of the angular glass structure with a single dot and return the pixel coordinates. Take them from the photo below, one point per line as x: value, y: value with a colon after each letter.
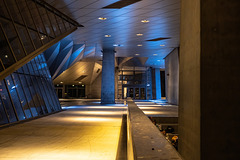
x: 27, y: 93
x: 27, y: 28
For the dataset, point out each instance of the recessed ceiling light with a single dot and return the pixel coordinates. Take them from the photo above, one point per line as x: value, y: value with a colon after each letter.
x: 144, y: 21
x: 137, y: 54
x: 155, y: 54
x: 79, y: 82
x: 139, y: 45
x: 102, y: 18
x: 139, y: 34
x: 107, y: 35
x: 73, y: 85
x: 101, y: 55
x: 117, y: 45
x: 162, y: 45
x: 61, y: 82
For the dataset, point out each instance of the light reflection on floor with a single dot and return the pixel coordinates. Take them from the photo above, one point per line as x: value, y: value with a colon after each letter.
x: 158, y: 108
x: 79, y: 133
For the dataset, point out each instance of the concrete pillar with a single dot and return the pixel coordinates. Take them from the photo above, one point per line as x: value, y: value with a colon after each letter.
x: 158, y: 83
x: 108, y: 77
x: 209, y: 112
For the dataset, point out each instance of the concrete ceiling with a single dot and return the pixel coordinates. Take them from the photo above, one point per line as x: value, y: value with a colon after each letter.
x: 123, y: 25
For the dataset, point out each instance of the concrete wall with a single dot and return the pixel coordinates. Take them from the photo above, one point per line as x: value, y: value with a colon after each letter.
x: 209, y: 116
x: 172, y: 77
x: 94, y: 90
x: 189, y: 81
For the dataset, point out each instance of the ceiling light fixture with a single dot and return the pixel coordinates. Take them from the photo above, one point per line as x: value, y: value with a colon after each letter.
x: 155, y: 54
x: 139, y: 45
x: 117, y: 45
x: 139, y: 34
x: 61, y: 82
x: 137, y: 54
x: 162, y: 45
x: 102, y: 18
x: 144, y: 21
x: 107, y: 35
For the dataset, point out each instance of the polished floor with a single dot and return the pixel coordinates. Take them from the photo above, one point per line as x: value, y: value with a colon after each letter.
x: 87, y: 132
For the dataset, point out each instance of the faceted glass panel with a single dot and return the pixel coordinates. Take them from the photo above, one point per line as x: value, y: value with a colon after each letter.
x: 22, y: 96
x: 15, y: 99
x: 7, y: 102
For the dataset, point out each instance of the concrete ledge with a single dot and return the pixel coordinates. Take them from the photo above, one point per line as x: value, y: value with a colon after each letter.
x: 145, y: 141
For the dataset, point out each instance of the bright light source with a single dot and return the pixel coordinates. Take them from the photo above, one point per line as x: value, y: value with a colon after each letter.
x: 155, y: 54
x: 144, y: 21
x: 139, y: 45
x: 107, y: 35
x: 61, y: 82
x: 137, y: 54
x: 162, y: 45
x: 102, y: 18
x: 139, y: 34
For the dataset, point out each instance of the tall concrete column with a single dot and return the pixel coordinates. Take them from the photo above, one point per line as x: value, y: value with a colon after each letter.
x: 209, y: 112
x: 158, y: 83
x: 108, y: 77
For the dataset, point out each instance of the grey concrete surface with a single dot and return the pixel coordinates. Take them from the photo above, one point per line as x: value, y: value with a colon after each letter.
x: 145, y: 141
x: 209, y: 80
x: 108, y: 77
x: 172, y: 77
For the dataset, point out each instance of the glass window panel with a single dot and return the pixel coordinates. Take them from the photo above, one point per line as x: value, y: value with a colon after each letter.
x: 25, y: 69
x: 25, y: 13
x: 34, y: 67
x: 7, y: 102
x: 54, y: 23
x: 25, y: 39
x: 66, y: 25
x: 36, y: 39
x: 13, y: 39
x: 39, y: 67
x: 28, y: 95
x: 34, y: 95
x: 39, y: 95
x: 30, y: 68
x: 5, y: 54
x: 3, y: 116
x: 3, y: 10
x: 46, y: 21
x: 60, y: 23
x: 22, y: 96
x: 45, y: 98
x: 49, y: 94
x: 20, y: 70
x: 13, y: 9
x: 56, y: 100
x: 38, y: 21
x: 15, y: 99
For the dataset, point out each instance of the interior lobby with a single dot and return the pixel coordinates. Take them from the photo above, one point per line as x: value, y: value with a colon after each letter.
x: 119, y: 79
